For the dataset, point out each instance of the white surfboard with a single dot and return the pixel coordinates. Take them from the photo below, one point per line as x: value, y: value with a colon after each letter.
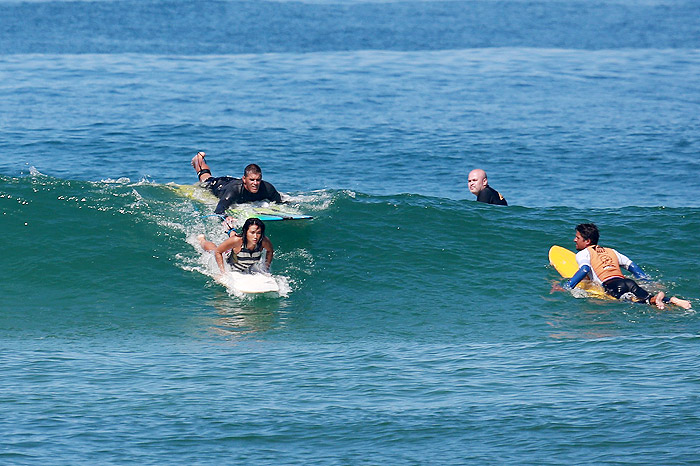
x: 253, y: 283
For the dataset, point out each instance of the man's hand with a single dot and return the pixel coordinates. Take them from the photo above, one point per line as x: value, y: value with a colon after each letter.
x: 229, y: 223
x: 556, y: 287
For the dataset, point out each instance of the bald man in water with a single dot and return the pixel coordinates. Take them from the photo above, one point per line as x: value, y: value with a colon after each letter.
x: 479, y: 186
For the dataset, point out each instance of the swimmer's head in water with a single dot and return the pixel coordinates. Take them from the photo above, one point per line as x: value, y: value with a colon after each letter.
x: 477, y: 181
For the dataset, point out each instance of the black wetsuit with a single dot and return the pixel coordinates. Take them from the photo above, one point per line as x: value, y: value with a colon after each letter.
x: 491, y: 196
x: 230, y: 190
x: 626, y: 289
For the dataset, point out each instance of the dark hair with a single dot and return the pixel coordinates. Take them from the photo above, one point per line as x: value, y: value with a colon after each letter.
x: 247, y: 225
x: 589, y: 231
x: 252, y: 168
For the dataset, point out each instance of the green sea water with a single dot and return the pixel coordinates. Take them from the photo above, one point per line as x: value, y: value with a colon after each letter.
x: 420, y: 261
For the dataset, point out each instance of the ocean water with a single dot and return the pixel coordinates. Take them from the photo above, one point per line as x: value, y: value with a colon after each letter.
x: 416, y: 325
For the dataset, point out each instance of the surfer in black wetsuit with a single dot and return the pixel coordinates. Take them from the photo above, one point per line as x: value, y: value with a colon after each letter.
x: 231, y: 190
x: 479, y: 186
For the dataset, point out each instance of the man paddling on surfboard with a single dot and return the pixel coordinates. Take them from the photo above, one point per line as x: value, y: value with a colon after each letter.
x: 231, y: 190
x: 602, y: 266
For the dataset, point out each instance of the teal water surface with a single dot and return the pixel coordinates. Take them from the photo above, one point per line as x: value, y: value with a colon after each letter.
x: 447, y: 336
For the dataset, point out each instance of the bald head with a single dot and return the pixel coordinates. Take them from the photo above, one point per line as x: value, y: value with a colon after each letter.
x: 477, y: 181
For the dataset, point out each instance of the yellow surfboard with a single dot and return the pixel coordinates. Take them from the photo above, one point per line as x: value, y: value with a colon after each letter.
x: 565, y: 262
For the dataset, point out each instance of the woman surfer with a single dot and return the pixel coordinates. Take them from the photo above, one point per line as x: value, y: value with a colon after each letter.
x: 245, y: 250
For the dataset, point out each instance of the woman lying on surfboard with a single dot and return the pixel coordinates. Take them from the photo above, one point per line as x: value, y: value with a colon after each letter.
x: 242, y: 251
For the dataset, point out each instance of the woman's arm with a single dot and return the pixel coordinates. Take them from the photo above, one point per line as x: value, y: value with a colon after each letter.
x: 233, y: 242
x: 267, y: 245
